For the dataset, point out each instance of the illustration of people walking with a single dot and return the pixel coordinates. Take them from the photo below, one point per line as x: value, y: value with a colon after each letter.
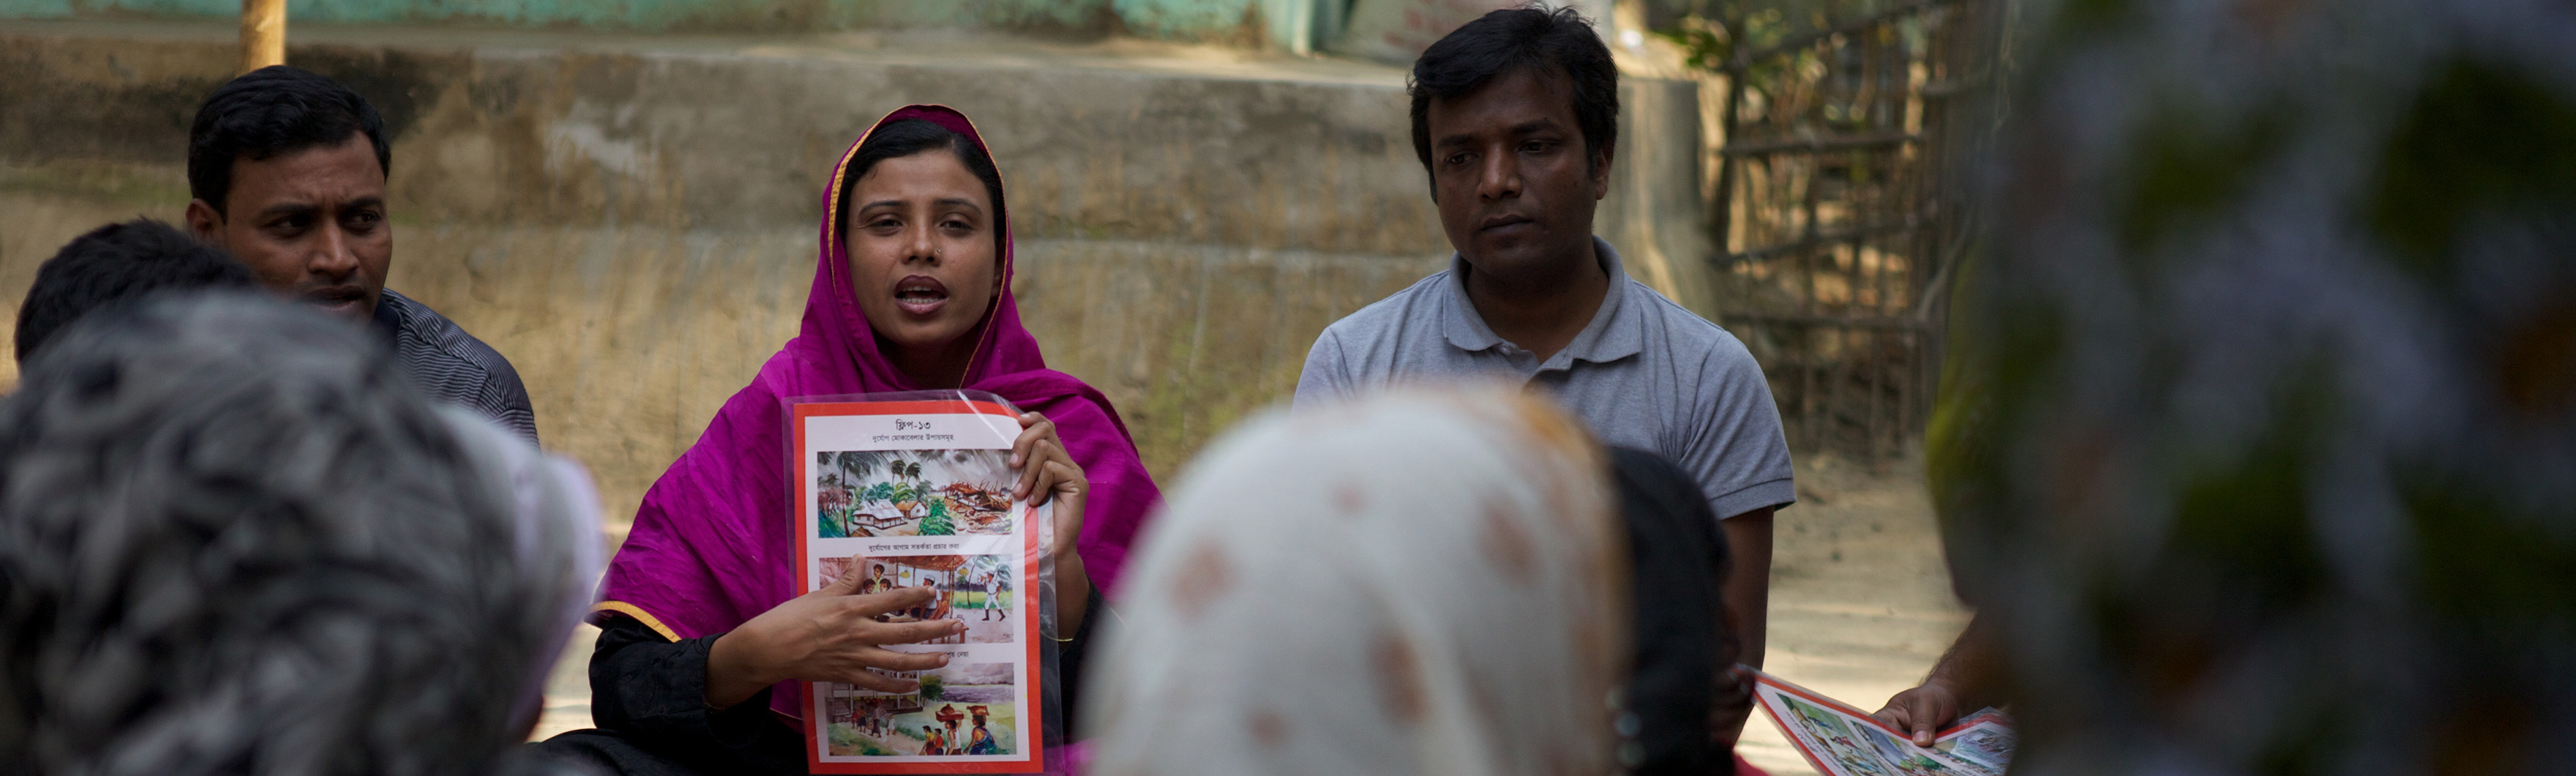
x: 948, y: 716
x: 980, y: 740
x: 992, y: 597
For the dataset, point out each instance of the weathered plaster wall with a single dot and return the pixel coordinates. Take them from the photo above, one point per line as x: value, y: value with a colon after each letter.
x: 631, y: 221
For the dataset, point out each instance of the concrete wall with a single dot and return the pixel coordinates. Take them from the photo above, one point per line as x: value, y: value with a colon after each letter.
x: 631, y: 221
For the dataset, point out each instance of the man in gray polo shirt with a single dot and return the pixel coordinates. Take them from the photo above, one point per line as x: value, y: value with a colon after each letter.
x: 1515, y: 115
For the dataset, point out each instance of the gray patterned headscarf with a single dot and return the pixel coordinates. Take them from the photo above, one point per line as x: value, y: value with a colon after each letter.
x: 234, y: 539
x: 2261, y: 440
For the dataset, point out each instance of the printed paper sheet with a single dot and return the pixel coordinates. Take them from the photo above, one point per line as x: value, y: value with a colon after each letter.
x: 1841, y: 740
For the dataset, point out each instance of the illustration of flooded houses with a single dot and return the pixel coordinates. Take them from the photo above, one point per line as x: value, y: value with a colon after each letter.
x: 978, y: 510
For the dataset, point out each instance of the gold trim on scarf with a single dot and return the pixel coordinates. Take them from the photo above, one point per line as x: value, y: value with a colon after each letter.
x: 637, y: 612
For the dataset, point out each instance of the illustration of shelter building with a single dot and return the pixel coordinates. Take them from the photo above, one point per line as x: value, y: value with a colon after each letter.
x: 937, y: 571
x: 844, y: 701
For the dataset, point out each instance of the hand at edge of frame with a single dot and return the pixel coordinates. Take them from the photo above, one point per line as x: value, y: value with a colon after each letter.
x: 1921, y: 711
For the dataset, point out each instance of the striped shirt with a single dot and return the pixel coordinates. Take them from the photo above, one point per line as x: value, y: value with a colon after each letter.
x: 453, y: 365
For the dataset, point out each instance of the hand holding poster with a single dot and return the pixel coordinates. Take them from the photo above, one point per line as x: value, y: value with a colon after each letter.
x: 914, y: 490
x: 1841, y: 740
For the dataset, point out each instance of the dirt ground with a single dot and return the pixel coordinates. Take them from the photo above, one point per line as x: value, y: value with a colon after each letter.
x: 1860, y: 601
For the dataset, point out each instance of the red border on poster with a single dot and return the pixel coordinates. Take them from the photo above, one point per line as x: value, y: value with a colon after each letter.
x: 1034, y: 722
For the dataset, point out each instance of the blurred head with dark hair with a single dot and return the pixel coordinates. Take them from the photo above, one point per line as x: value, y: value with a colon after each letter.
x: 117, y: 264
x: 288, y: 172
x: 236, y: 540
x: 1515, y: 116
x: 1685, y: 697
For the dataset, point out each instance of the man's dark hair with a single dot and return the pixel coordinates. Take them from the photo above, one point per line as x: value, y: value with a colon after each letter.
x: 115, y: 265
x: 911, y: 136
x: 270, y: 111
x: 1513, y: 40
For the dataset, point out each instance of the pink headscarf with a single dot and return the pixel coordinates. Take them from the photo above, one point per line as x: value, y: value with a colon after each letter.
x: 713, y: 544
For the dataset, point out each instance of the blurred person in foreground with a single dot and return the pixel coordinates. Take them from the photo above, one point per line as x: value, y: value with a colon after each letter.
x: 116, y: 265
x: 1516, y: 117
x: 1418, y: 583
x: 1687, y: 698
x: 288, y: 173
x: 2256, y: 451
x: 1466, y: 608
x: 233, y: 540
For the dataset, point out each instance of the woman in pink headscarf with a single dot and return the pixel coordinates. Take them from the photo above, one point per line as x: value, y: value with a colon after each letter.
x: 704, y: 636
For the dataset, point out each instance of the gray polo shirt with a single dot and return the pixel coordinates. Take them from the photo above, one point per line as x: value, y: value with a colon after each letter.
x: 1645, y: 373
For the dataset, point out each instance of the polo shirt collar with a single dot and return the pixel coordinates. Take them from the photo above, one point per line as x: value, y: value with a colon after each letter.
x: 387, y: 322
x: 1613, y: 334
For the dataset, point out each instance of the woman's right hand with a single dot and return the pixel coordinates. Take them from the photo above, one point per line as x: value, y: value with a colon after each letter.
x: 827, y: 635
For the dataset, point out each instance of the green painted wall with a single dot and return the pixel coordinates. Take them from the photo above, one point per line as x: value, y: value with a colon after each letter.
x: 1227, y: 21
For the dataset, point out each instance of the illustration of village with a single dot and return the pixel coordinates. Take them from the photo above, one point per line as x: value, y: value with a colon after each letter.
x: 912, y: 493
x: 965, y: 709
x: 974, y: 589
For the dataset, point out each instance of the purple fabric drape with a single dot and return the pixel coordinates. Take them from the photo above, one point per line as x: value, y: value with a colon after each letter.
x: 712, y: 544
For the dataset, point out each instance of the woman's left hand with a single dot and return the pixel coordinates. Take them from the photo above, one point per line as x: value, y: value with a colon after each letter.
x: 1048, y: 473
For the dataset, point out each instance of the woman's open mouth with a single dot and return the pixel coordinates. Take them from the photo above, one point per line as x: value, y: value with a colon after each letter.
x: 920, y: 295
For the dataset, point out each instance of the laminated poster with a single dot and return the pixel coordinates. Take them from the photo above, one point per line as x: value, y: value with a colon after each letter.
x: 918, y: 491
x: 1841, y: 740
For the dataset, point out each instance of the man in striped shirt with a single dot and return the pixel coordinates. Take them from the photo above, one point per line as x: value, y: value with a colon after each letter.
x: 288, y: 173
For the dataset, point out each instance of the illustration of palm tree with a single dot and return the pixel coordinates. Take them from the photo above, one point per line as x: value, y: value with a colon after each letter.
x: 857, y: 465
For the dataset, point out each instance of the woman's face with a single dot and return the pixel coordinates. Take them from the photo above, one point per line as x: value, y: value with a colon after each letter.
x: 920, y: 239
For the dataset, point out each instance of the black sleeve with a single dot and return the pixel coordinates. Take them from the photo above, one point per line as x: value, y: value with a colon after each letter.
x: 1069, y: 659
x: 653, y: 691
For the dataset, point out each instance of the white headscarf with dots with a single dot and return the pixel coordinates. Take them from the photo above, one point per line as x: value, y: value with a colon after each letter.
x: 1415, y: 584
